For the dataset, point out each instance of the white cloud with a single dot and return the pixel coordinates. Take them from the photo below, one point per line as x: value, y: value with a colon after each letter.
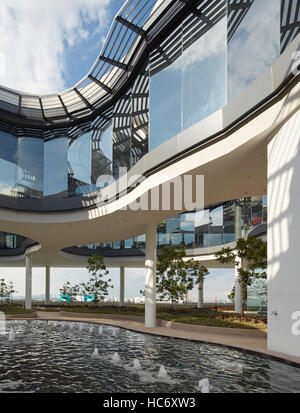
x: 34, y: 36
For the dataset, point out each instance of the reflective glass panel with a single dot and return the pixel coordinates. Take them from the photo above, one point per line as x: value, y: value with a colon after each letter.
x: 201, y: 228
x: 8, y: 163
x: 56, y: 167
x: 140, y: 116
x: 166, y: 90
x: 290, y: 22
x: 265, y: 210
x: 216, y: 226
x: 122, y: 136
x: 256, y: 203
x: 228, y: 222
x: 102, y: 153
x: 31, y: 167
x: 254, y: 45
x: 204, y: 72
x: 80, y: 165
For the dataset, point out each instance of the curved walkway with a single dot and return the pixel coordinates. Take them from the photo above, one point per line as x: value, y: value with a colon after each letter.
x: 254, y: 341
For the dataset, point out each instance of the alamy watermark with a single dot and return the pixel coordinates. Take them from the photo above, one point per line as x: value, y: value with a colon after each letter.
x: 184, y: 192
x: 296, y: 323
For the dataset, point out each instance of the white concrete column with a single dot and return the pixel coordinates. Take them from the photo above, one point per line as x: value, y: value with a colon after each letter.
x: 150, y: 281
x: 122, y: 286
x: 200, y: 294
x: 238, y: 297
x: 47, y: 285
x: 28, y: 284
x: 283, y: 239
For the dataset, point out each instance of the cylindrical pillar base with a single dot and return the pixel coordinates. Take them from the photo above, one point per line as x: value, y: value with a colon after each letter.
x: 28, y: 284
x: 200, y: 294
x: 150, y: 281
x: 122, y: 286
x: 47, y: 285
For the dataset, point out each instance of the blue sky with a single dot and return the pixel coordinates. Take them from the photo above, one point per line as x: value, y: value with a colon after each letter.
x: 47, y: 47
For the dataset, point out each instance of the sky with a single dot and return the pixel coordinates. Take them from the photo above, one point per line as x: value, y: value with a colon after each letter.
x: 217, y: 284
x: 48, y: 46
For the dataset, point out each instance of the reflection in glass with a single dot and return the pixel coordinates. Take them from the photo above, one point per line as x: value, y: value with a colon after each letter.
x: 101, y: 155
x: 122, y: 135
x: 166, y: 90
x: 8, y: 163
x: 202, y: 228
x: 256, y: 217
x: 31, y: 167
x: 79, y: 165
x: 204, y: 74
x: 228, y: 222
x: 216, y: 226
x: 254, y: 46
x: 56, y: 167
x: 140, y: 116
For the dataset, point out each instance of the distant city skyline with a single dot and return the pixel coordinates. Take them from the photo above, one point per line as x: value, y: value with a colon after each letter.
x: 217, y: 284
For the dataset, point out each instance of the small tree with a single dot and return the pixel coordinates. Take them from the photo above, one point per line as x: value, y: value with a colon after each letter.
x: 6, y: 290
x: 175, y: 275
x: 98, y: 283
x: 69, y: 290
x: 253, y: 252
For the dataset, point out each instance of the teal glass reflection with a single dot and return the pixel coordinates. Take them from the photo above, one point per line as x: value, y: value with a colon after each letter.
x: 31, y: 167
x: 80, y: 164
x: 254, y: 46
x: 204, y: 65
x: 8, y: 163
x: 56, y: 167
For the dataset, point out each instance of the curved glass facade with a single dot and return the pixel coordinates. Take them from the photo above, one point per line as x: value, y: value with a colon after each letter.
x: 212, y: 55
x: 215, y: 225
x: 10, y: 241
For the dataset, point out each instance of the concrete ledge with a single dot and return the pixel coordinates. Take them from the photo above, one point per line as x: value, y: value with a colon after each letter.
x: 21, y: 316
x: 245, y: 332
x: 121, y: 317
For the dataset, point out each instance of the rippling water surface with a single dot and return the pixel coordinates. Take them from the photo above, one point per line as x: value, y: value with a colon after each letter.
x: 57, y: 357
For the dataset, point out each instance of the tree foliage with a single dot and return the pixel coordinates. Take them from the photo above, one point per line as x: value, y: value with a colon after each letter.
x: 99, y: 283
x: 175, y: 275
x: 71, y: 290
x: 6, y: 289
x: 253, y: 253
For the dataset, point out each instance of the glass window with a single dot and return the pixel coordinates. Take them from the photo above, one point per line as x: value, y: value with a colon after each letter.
x: 290, y: 22
x: 128, y: 243
x: 122, y: 136
x: 56, y: 167
x: 256, y: 204
x: 216, y: 226
x: 228, y: 222
x: 255, y: 44
x: 166, y: 90
x: 140, y: 117
x: 204, y: 72
x: 79, y: 165
x: 31, y: 167
x: 8, y: 164
x: 201, y: 228
x: 101, y: 155
x: 265, y: 208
